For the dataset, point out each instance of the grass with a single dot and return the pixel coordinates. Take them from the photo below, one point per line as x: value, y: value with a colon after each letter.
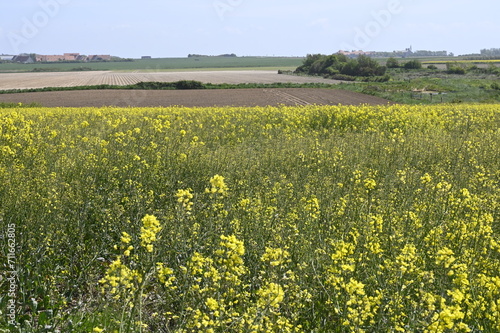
x: 281, y: 219
x: 432, y: 87
x: 166, y: 64
x: 4, y: 105
x: 208, y: 69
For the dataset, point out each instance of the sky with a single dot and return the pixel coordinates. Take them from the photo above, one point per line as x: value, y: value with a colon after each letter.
x: 176, y: 28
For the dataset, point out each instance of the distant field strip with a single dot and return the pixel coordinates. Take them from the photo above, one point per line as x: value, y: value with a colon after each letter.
x: 69, y: 79
x: 441, y: 64
x: 494, y: 61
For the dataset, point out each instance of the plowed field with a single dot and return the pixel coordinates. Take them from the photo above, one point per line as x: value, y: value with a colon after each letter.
x: 192, y: 98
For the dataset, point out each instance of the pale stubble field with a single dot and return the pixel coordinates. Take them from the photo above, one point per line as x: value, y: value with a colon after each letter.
x: 70, y: 79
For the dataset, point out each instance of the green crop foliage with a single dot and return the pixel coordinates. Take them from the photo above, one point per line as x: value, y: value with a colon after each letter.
x: 265, y: 219
x: 161, y: 64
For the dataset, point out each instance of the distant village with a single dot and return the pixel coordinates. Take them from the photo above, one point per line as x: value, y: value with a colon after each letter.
x: 25, y: 58
x: 407, y: 53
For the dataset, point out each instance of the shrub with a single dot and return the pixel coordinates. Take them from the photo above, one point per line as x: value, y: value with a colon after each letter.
x: 343, y: 77
x: 371, y: 90
x: 308, y: 62
x: 81, y: 69
x: 189, y: 84
x: 433, y: 67
x: 456, y: 70
x: 413, y: 64
x: 181, y: 85
x: 493, y: 69
x: 350, y: 68
x: 382, y: 78
x: 495, y: 86
x: 332, y: 70
x: 392, y: 63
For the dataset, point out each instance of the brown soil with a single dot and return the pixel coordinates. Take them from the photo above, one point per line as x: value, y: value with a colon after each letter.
x: 193, y: 98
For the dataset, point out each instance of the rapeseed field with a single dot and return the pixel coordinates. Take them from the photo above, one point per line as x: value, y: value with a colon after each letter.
x: 274, y: 219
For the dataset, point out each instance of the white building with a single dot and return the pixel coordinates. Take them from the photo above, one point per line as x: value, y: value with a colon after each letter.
x: 6, y: 57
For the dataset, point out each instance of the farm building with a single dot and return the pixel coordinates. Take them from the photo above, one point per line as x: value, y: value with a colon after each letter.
x: 49, y: 58
x: 71, y: 57
x: 63, y: 57
x: 24, y: 59
x: 99, y: 57
x: 355, y: 54
x: 6, y: 57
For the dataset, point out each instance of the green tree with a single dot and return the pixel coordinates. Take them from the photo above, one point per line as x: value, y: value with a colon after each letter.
x: 335, y: 64
x: 369, y: 67
x: 328, y: 64
x: 308, y: 62
x: 413, y: 64
x: 455, y: 68
x: 350, y: 68
x: 392, y: 63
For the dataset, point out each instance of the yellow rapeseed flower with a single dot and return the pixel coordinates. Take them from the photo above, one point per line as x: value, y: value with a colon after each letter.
x: 275, y: 256
x: 270, y: 295
x: 125, y: 238
x: 218, y: 185
x: 184, y: 198
x: 212, y: 304
x: 151, y: 227
x: 165, y: 274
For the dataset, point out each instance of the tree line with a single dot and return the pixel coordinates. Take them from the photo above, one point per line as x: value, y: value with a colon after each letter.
x: 339, y: 66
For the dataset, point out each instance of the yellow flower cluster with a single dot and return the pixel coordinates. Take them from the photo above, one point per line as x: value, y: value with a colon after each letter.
x: 184, y: 197
x: 120, y: 280
x: 165, y: 274
x: 126, y: 239
x: 312, y: 208
x: 151, y: 227
x: 275, y: 257
x: 218, y: 185
x: 270, y: 295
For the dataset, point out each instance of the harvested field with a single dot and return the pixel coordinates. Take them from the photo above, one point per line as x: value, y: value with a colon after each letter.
x: 193, y: 98
x: 71, y: 79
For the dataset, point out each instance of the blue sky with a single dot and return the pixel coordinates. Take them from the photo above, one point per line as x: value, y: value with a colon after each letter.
x: 175, y: 28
